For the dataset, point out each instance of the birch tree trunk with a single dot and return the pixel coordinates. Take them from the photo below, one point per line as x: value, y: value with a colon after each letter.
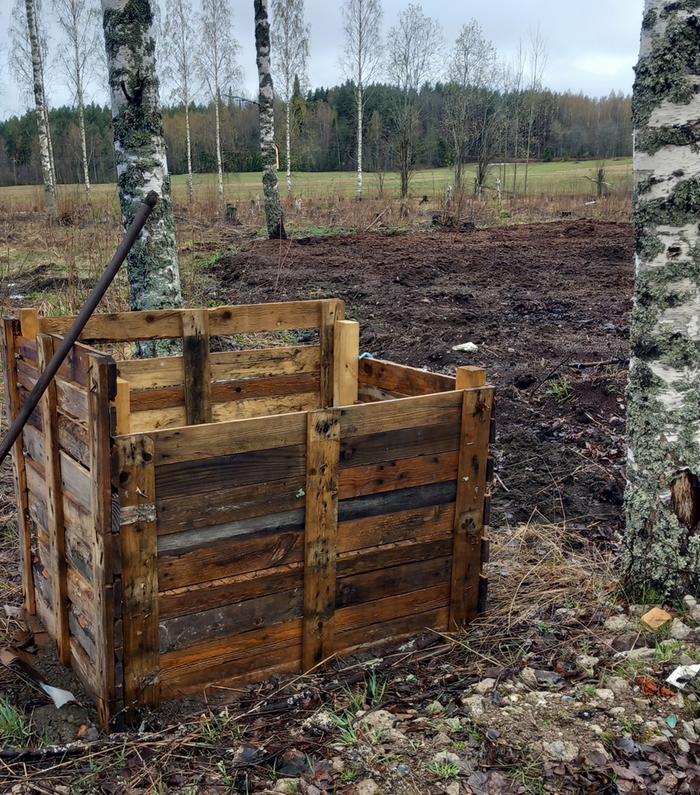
x: 219, y: 160
x: 41, y: 114
x: 289, y: 149
x: 190, y: 181
x: 663, y: 493
x: 154, y: 276
x: 360, y: 123
x: 83, y: 146
x: 274, y: 215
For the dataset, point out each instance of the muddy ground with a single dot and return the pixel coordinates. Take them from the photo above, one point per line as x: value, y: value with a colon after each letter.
x: 543, y: 302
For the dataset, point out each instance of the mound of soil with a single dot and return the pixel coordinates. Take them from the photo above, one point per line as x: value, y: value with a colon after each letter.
x: 544, y: 303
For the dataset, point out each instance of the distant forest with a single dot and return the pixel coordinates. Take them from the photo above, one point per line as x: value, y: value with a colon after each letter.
x: 565, y: 127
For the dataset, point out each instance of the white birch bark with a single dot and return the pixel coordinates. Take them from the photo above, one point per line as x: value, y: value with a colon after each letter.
x: 663, y: 494
x: 219, y: 160
x: 290, y: 50
x: 363, y: 56
x: 41, y: 112
x: 274, y: 216
x: 190, y: 181
x: 139, y: 147
x: 289, y: 147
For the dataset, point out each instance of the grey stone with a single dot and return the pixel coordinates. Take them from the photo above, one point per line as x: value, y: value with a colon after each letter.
x: 367, y: 787
x: 475, y: 705
x: 323, y: 721
x: 617, y: 624
x: 642, y: 653
x: 289, y: 786
x: 485, y: 686
x: 683, y: 745
x: 689, y: 601
x: 447, y: 758
x: 529, y: 677
x: 604, y: 694
x: 561, y: 750
x: 380, y: 720
x: 617, y: 684
x: 586, y: 663
x: 679, y: 630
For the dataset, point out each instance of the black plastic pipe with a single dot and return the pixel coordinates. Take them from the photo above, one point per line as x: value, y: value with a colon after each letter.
x: 81, y: 320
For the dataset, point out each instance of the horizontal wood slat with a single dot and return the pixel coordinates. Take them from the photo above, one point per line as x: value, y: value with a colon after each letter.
x: 400, y: 379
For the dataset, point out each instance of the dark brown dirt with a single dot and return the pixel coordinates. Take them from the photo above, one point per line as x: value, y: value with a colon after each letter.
x: 536, y: 299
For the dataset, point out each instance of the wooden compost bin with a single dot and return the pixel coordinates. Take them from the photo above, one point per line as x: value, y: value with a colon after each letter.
x: 214, y: 518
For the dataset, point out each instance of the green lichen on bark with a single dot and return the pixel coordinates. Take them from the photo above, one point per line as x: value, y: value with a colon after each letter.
x: 140, y: 154
x: 663, y: 73
x: 663, y: 425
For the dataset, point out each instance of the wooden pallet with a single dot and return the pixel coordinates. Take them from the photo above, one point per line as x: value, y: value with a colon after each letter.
x: 212, y: 518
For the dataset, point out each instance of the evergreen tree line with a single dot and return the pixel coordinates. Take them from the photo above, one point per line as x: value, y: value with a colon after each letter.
x: 565, y: 126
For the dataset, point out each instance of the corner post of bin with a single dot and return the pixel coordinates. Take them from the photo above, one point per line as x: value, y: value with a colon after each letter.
x: 9, y: 331
x: 346, y: 362
x: 135, y: 456
x: 320, y: 550
x: 54, y: 503
x: 102, y: 392
x: 472, y: 480
x: 196, y: 360
x: 330, y: 311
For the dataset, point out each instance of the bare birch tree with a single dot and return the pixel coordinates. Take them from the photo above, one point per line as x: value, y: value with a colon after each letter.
x: 413, y: 47
x: 536, y: 64
x: 27, y: 62
x: 139, y: 147
x: 78, y: 20
x: 662, y: 499
x: 178, y: 67
x: 471, y: 75
x: 290, y: 53
x: 216, y: 64
x: 273, y: 206
x: 362, y: 61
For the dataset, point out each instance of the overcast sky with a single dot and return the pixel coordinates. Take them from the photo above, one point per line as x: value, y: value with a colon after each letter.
x: 592, y: 46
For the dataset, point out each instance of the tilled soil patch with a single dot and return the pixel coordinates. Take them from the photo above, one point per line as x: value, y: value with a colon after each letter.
x: 544, y: 303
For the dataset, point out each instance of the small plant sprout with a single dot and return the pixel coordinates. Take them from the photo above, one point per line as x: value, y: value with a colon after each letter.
x: 561, y: 389
x: 445, y: 771
x: 14, y: 726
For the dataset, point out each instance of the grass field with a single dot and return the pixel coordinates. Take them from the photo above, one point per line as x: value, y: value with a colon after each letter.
x: 571, y: 178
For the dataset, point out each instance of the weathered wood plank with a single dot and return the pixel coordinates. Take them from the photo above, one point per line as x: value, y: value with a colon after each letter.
x: 232, y: 504
x: 211, y: 474
x: 391, y: 581
x: 469, y: 514
x: 178, y: 666
x: 240, y: 436
x: 139, y: 561
x: 122, y: 406
x: 29, y: 321
x: 403, y: 443
x: 195, y: 354
x: 410, y: 412
x: 403, y: 473
x: 346, y: 362
x: 9, y: 331
x: 265, y: 362
x: 322, y: 457
x: 392, y: 607
x: 76, y: 480
x: 228, y: 557
x: 421, y: 524
x: 366, y: 393
x: 102, y: 389
x: 166, y: 324
x: 390, y: 633
x: 198, y: 597
x: 262, y: 407
x: 330, y: 312
x: 393, y: 501
x: 230, y: 619
x: 55, y: 526
x: 25, y: 347
x: 405, y: 380
x: 71, y: 400
x: 152, y: 373
x: 157, y: 419
x: 384, y: 557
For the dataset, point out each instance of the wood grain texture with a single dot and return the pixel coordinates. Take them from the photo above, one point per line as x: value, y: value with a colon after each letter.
x: 400, y: 379
x: 322, y: 457
x: 102, y: 385
x: 122, y: 405
x: 469, y: 513
x: 9, y: 333
x: 166, y: 324
x: 346, y: 362
x: 330, y: 312
x: 197, y: 368
x: 139, y: 566
x: 55, y: 526
x: 399, y: 444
